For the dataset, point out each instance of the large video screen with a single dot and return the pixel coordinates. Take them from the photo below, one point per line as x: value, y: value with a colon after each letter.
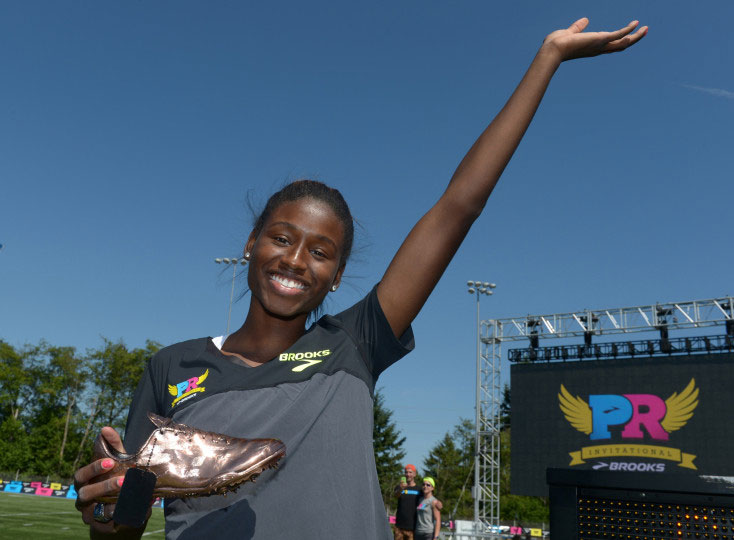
x: 661, y: 415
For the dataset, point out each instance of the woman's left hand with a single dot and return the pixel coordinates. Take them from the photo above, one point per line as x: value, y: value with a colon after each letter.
x: 573, y: 42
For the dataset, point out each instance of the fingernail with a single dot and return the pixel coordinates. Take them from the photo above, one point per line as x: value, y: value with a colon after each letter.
x: 120, y: 481
x: 107, y: 463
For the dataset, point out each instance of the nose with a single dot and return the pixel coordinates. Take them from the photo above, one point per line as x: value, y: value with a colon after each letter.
x: 295, y: 257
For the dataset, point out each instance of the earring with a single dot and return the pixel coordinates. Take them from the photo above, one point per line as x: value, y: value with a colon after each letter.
x: 247, y: 255
x: 334, y: 288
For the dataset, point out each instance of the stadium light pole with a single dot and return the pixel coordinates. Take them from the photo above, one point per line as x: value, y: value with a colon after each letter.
x: 478, y: 288
x: 234, y: 262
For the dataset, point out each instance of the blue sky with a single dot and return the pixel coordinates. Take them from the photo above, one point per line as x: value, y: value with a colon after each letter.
x: 133, y: 135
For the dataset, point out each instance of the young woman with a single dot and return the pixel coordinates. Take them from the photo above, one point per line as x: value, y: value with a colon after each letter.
x: 428, y: 516
x: 312, y: 388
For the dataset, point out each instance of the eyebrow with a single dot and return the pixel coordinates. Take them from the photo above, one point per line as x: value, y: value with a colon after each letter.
x: 289, y: 225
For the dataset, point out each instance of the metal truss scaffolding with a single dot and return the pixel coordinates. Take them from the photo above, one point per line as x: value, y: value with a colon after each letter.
x: 675, y: 315
x: 585, y: 323
x: 487, y: 491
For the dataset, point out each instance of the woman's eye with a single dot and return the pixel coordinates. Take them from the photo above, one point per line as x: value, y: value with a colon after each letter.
x: 318, y: 253
x: 281, y: 239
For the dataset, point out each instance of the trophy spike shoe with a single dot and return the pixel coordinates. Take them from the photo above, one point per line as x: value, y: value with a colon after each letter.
x: 189, y: 462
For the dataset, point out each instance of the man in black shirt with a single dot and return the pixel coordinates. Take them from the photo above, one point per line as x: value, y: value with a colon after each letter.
x: 408, y: 494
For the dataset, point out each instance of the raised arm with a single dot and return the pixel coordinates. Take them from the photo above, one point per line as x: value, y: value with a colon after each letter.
x: 430, y: 246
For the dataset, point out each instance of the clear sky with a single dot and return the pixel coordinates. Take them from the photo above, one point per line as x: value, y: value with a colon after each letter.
x: 132, y: 135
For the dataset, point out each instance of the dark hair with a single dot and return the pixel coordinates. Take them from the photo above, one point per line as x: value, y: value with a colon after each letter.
x: 313, y: 189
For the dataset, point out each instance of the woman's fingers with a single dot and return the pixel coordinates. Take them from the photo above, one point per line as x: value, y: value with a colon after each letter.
x: 96, y: 490
x: 574, y: 42
x: 579, y: 25
x: 96, y: 468
x: 87, y: 495
x: 113, y: 438
x: 626, y: 41
x: 616, y: 34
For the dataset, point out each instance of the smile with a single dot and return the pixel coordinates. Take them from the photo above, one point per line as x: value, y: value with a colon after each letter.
x: 287, y: 283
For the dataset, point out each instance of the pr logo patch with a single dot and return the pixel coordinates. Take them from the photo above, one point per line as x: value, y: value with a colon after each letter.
x: 187, y: 388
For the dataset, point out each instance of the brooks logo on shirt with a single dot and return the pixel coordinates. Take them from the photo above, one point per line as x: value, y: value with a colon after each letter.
x: 309, y: 358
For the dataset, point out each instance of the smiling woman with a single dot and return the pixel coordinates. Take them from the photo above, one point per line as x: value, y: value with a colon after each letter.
x: 312, y: 388
x: 296, y: 256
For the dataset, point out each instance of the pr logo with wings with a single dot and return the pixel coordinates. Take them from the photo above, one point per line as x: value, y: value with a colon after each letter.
x: 610, y: 409
x: 188, y: 387
x: 632, y: 412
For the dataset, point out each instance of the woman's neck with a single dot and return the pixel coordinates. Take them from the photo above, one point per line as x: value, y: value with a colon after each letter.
x: 262, y: 337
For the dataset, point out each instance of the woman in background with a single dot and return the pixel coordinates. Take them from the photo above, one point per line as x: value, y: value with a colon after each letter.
x: 428, y: 518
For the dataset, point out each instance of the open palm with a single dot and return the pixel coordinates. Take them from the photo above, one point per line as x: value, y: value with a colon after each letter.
x: 573, y: 42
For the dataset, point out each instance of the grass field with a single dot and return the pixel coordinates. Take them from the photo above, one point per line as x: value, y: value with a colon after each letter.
x: 46, y: 518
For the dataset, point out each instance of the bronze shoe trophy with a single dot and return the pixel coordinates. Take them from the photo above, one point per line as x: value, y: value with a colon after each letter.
x: 188, y: 462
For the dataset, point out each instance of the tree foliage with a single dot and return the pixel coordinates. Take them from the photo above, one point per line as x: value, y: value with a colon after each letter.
x: 505, y: 408
x: 451, y: 463
x: 53, y: 399
x: 388, y: 446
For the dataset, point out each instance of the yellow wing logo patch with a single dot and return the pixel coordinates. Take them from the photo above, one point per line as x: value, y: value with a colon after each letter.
x: 188, y: 387
x: 576, y: 411
x: 680, y: 407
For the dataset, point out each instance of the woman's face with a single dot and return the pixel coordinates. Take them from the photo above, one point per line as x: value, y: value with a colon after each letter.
x: 427, y: 489
x: 296, y: 258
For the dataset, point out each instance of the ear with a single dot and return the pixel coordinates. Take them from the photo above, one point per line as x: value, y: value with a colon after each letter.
x: 250, y: 244
x: 338, y: 276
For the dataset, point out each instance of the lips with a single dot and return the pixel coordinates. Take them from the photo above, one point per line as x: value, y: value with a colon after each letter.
x: 287, y: 284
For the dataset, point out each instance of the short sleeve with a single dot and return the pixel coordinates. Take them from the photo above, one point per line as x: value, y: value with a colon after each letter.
x: 366, y: 323
x: 139, y: 426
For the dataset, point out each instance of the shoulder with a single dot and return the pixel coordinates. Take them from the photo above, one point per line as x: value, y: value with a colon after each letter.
x: 171, y: 358
x: 184, y: 349
x: 367, y: 304
x: 367, y: 323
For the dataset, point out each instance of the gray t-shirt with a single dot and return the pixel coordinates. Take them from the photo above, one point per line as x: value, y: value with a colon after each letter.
x: 316, y: 397
x: 424, y: 523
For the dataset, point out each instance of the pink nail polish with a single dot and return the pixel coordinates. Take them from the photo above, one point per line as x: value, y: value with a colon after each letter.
x: 107, y: 463
x: 120, y: 481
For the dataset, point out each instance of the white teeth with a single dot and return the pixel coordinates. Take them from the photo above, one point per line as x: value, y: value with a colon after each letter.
x: 288, y: 282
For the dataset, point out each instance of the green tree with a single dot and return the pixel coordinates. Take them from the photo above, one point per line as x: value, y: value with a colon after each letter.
x: 388, y: 446
x: 56, y: 378
x: 67, y: 374
x: 450, y: 463
x: 114, y: 372
x: 505, y: 408
x: 52, y: 400
x: 14, y: 446
x: 15, y: 381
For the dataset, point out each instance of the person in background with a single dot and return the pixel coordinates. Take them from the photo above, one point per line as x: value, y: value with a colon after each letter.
x: 428, y: 515
x: 408, y: 494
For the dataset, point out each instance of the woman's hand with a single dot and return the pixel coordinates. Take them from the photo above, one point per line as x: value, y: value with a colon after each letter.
x: 90, y: 488
x: 573, y: 42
